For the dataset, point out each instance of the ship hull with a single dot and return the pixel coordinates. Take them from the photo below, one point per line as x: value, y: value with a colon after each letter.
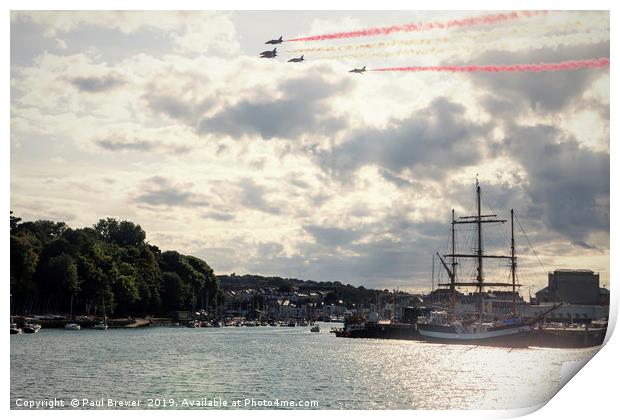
x: 383, y: 331
x: 514, y: 336
x: 568, y: 337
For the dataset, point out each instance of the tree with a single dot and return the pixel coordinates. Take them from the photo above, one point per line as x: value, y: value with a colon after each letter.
x: 176, y: 291
x: 121, y: 233
x: 125, y: 288
x: 331, y: 298
x: 14, y: 222
x: 285, y: 288
x: 44, y: 230
x: 61, y: 274
x: 109, y: 262
x: 24, y: 261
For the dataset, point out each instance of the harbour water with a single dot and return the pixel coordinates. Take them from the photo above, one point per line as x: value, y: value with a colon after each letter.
x: 280, y: 363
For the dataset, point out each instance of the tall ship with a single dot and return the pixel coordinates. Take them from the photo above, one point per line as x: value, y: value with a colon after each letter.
x: 445, y: 326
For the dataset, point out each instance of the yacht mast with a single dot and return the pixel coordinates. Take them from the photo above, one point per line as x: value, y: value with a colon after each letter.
x: 433, y: 274
x: 479, y: 278
x: 513, y: 262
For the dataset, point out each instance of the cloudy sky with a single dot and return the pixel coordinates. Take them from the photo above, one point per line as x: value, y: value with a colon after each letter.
x: 304, y: 169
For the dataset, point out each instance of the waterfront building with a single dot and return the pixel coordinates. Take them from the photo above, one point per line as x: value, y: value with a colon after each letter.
x: 571, y: 286
x: 567, y: 313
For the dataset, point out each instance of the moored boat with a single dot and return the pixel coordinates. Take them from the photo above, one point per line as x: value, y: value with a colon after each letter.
x: 15, y: 329
x: 102, y: 326
x: 31, y: 328
x: 72, y: 325
x: 512, y: 332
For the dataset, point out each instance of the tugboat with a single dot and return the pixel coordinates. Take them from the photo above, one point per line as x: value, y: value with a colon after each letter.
x: 512, y: 332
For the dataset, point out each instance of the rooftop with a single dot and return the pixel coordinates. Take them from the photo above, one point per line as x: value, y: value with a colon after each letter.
x: 573, y: 270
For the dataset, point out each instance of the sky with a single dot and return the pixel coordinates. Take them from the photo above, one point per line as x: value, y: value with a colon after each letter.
x: 171, y: 120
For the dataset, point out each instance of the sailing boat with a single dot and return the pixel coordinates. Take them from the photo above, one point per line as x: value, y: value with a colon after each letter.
x: 102, y: 325
x: 441, y: 328
x: 72, y: 325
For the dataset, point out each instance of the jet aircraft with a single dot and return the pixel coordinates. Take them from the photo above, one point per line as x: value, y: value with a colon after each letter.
x: 296, y: 60
x: 275, y: 41
x: 362, y: 70
x: 269, y: 54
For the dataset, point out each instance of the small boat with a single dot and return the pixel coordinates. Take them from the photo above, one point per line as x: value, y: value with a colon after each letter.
x: 315, y: 328
x: 15, y: 329
x: 72, y: 326
x: 193, y: 324
x: 101, y: 326
x: 31, y: 328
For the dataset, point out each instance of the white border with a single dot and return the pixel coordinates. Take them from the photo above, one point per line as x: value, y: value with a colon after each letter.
x: 589, y: 395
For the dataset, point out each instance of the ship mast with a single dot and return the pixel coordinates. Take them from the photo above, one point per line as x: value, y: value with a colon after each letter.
x: 453, y: 276
x: 513, y: 262
x: 479, y: 278
x: 479, y: 219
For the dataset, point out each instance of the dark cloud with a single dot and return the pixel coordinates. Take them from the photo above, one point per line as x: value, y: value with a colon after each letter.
x: 121, y: 144
x: 269, y: 249
x: 380, y: 263
x: 301, y: 109
x: 219, y: 216
x: 96, y: 84
x: 396, y: 180
x: 158, y: 191
x: 543, y: 91
x: 178, y: 109
x: 331, y: 236
x: 568, y: 184
x: 253, y: 196
x: 299, y: 183
x: 116, y: 145
x: 428, y: 142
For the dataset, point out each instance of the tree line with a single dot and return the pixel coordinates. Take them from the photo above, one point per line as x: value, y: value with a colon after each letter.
x: 108, y: 265
x: 335, y: 291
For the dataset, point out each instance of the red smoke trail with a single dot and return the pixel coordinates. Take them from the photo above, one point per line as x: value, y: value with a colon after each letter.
x: 564, y: 65
x: 418, y: 27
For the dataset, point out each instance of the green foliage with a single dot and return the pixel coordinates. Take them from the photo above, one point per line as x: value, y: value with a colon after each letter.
x: 24, y: 261
x: 121, y: 233
x: 60, y: 274
x: 109, y: 265
x: 14, y: 222
x: 176, y: 291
